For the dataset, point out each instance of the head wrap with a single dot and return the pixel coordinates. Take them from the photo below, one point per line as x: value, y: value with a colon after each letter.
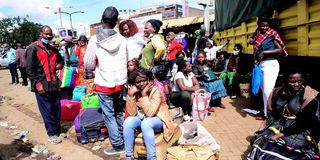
x: 156, y: 24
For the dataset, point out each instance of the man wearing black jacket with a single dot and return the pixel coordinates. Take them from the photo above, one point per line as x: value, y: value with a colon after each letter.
x: 43, y: 60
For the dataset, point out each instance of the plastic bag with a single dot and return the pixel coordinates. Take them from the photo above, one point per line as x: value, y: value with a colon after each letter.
x: 256, y: 79
x: 200, y: 104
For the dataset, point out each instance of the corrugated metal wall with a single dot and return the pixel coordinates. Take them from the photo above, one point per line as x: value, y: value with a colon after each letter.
x: 299, y: 26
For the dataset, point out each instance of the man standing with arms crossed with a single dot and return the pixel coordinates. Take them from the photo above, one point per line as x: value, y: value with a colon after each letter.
x: 43, y: 60
x: 107, y: 53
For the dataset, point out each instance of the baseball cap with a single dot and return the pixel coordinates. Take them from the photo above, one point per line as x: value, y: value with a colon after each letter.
x: 110, y: 15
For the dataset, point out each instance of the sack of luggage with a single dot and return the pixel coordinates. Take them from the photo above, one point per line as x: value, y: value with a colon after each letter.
x: 90, y: 101
x: 200, y: 104
x: 78, y: 93
x: 90, y: 126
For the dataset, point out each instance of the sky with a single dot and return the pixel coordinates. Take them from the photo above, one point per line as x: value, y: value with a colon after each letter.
x: 42, y: 11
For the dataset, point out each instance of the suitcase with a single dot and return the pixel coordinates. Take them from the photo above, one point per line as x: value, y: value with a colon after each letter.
x: 90, y: 126
x: 161, y: 145
x: 69, y: 109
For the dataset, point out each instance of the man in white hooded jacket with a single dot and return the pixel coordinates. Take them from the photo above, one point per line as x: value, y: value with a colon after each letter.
x: 107, y: 53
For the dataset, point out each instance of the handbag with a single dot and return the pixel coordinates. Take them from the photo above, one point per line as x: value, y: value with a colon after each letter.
x: 256, y: 79
x: 200, y: 104
x: 68, y: 76
x: 78, y: 93
x: 90, y: 101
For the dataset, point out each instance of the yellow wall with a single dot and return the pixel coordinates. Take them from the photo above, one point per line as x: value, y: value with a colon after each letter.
x: 300, y: 26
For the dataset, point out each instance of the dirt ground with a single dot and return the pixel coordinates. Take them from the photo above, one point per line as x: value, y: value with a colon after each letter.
x: 230, y: 127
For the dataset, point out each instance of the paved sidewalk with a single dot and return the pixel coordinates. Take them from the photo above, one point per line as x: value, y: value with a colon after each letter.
x: 231, y: 127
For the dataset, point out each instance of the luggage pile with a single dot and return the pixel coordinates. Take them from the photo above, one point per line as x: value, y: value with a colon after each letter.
x: 84, y: 108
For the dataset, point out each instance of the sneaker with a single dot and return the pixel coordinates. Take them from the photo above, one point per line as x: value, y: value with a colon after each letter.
x: 186, y: 117
x: 222, y: 106
x: 233, y: 97
x: 62, y: 135
x: 211, y: 109
x: 54, y: 139
x: 112, y: 151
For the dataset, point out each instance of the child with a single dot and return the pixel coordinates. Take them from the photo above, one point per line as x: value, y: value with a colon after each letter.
x: 132, y: 65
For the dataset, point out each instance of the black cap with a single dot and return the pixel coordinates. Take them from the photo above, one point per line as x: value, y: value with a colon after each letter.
x: 110, y: 16
x: 155, y: 23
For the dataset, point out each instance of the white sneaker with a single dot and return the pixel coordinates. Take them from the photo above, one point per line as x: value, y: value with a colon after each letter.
x: 54, y: 139
x: 186, y: 117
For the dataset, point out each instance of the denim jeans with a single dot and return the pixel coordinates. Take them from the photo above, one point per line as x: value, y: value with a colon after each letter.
x: 149, y: 126
x: 112, y: 108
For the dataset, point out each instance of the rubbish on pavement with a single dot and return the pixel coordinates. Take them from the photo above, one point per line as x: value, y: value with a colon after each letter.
x: 3, y: 123
x: 25, y: 140
x: 96, y: 148
x: 251, y: 111
x: 38, y: 149
x: 54, y: 157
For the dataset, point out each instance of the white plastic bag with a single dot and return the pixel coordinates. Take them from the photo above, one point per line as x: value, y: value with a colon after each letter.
x: 200, y: 104
x: 193, y: 133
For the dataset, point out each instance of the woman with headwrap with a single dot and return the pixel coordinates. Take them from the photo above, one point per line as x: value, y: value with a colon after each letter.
x: 153, y: 51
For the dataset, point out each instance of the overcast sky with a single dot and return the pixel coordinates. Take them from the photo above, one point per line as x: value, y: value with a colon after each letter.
x: 37, y: 12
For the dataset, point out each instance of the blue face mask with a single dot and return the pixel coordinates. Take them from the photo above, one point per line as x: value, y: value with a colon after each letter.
x: 45, y: 41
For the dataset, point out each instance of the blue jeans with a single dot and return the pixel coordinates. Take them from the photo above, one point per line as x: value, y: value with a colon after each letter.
x: 148, y: 125
x: 112, y: 108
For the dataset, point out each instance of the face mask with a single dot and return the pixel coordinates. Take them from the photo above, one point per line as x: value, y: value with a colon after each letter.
x: 235, y: 53
x: 45, y: 41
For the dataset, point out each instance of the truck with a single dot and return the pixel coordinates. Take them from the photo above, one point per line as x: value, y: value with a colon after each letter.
x: 298, y: 23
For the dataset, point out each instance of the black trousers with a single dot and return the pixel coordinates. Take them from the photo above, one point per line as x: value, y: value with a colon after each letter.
x: 14, y: 73
x: 50, y: 109
x: 23, y: 72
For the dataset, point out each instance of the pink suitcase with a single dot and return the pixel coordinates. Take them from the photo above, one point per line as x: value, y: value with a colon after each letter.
x: 69, y: 109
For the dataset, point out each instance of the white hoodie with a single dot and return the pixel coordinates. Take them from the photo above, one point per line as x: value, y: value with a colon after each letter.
x: 108, y: 57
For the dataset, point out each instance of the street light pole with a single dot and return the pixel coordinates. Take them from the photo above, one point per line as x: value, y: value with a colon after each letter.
x: 59, y: 10
x: 70, y: 14
x: 85, y: 30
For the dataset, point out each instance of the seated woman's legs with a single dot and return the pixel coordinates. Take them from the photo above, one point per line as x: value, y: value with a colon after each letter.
x: 182, y: 99
x: 129, y: 127
x: 150, y: 125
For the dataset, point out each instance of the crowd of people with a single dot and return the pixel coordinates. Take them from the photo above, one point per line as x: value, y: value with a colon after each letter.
x: 127, y: 65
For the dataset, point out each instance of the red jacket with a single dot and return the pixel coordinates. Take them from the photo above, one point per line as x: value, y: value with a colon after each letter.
x: 42, y: 64
x: 173, y: 48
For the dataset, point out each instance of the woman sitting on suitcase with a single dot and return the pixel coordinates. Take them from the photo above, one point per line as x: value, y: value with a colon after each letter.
x: 147, y: 111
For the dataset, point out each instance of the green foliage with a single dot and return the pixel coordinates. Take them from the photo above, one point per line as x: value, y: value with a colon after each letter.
x: 18, y: 30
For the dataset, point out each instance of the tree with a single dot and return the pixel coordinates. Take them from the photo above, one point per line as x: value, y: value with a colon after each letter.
x: 18, y: 30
